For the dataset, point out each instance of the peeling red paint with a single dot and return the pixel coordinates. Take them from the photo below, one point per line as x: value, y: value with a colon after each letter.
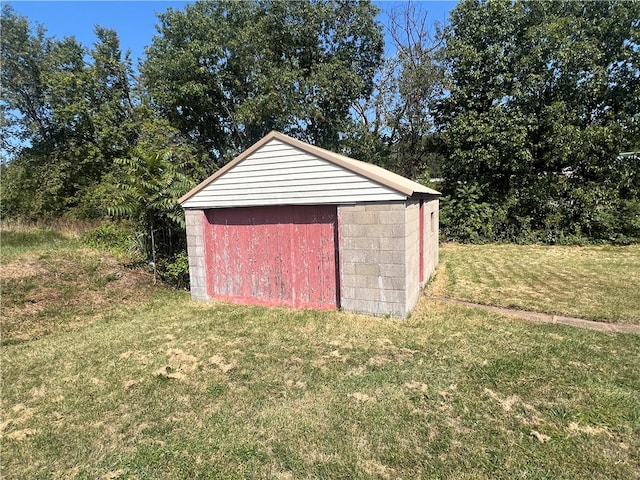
x: 281, y: 255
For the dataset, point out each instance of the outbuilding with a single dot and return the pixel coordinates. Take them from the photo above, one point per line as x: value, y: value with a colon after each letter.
x: 288, y: 223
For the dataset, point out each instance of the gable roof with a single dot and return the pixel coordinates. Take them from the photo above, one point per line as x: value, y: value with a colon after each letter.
x: 372, y: 172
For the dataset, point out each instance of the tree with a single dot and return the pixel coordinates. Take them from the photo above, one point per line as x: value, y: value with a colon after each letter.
x: 395, y: 125
x: 145, y: 185
x: 542, y: 98
x: 226, y: 73
x: 65, y: 119
x: 23, y: 56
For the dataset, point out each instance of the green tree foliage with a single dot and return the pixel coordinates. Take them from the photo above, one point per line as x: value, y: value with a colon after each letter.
x: 225, y: 73
x: 145, y: 185
x: 530, y: 102
x: 542, y: 97
x: 65, y: 118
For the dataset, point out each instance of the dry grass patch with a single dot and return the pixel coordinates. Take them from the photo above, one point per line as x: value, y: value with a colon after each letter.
x: 46, y: 290
x: 588, y: 282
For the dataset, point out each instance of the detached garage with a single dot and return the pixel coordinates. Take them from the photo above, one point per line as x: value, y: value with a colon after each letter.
x: 288, y: 223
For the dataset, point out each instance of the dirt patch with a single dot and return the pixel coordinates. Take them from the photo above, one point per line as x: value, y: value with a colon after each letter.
x: 47, y: 292
x: 506, y: 403
x: 588, y: 429
x: 129, y: 383
x: 297, y: 384
x: 541, y: 437
x: 360, y: 397
x: 21, y: 434
x: 27, y: 266
x: 220, y: 363
x: 179, y: 365
x: 378, y: 470
x: 113, y: 474
x: 417, y: 386
x: 325, y: 362
x: 182, y: 361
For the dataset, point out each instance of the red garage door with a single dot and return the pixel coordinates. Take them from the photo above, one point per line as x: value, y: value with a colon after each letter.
x: 273, y: 255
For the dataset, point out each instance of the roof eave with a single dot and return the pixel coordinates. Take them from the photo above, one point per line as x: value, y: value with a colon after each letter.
x: 312, y: 150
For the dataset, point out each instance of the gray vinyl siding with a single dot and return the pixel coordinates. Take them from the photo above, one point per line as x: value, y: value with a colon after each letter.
x: 279, y: 174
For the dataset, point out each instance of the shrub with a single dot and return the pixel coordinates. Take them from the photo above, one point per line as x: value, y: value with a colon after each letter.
x: 117, y: 238
x: 176, y: 271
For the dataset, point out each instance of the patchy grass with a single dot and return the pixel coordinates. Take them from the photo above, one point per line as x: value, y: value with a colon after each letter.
x: 50, y: 281
x: 18, y: 242
x: 167, y: 388
x: 173, y: 389
x: 598, y: 283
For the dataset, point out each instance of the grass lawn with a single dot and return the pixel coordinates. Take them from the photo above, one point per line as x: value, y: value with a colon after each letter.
x: 163, y: 387
x: 598, y: 282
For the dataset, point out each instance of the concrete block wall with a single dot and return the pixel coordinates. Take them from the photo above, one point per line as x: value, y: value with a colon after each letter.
x: 195, y: 227
x: 373, y: 266
x: 412, y: 249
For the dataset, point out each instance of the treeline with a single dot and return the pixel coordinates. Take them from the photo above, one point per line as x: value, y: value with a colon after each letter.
x: 521, y: 108
x: 542, y: 97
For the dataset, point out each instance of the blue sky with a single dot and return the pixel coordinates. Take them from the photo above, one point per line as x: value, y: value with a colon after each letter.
x: 135, y: 20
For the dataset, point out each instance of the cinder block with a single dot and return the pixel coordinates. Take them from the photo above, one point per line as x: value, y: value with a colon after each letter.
x: 392, y: 270
x: 361, y: 243
x: 195, y: 230
x: 364, y: 293
x: 378, y: 207
x: 381, y: 231
x: 351, y: 280
x: 348, y: 218
x: 350, y: 255
x: 380, y: 295
x: 193, y: 217
x: 371, y: 281
x: 362, y: 306
x: 198, y: 282
x: 353, y: 230
x: 391, y: 218
x: 347, y: 293
x: 195, y: 238
x: 376, y: 308
x: 196, y: 262
x: 397, y: 230
x: 391, y: 244
x: 350, y: 208
x: 365, y: 218
x: 383, y: 283
x: 348, y: 268
x: 394, y: 296
x: 367, y: 269
x: 199, y: 294
x: 391, y: 256
x: 392, y: 283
